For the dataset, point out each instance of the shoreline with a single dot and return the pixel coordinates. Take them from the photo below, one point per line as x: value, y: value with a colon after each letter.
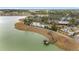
x: 63, y: 41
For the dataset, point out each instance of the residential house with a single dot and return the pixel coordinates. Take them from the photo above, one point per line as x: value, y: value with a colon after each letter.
x: 38, y: 24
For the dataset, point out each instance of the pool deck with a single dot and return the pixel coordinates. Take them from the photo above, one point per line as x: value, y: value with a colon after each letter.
x: 62, y: 41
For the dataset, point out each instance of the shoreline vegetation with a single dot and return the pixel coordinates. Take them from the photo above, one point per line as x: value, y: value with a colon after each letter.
x: 16, y: 12
x: 62, y: 41
x: 58, y: 13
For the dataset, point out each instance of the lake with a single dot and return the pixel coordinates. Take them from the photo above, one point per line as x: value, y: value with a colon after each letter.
x: 12, y: 39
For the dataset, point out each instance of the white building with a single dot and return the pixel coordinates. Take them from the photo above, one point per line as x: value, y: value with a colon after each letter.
x: 37, y: 24
x: 76, y: 38
x: 63, y: 22
x: 71, y: 33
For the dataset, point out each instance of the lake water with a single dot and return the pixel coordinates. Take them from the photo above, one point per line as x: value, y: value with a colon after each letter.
x: 12, y: 39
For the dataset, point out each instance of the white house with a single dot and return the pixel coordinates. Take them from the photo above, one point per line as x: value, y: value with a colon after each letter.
x: 71, y: 33
x: 37, y: 24
x: 63, y: 22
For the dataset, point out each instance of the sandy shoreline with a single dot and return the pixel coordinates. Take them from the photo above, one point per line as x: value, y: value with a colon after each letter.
x: 63, y: 41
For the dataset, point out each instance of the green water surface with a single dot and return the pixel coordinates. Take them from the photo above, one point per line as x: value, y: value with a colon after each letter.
x: 12, y: 39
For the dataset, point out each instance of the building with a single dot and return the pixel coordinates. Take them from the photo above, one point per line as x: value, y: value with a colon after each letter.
x: 63, y: 22
x: 37, y: 24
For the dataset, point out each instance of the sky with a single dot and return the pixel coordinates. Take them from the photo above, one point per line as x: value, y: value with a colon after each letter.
x: 39, y: 7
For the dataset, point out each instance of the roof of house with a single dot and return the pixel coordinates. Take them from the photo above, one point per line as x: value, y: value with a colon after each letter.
x: 63, y: 22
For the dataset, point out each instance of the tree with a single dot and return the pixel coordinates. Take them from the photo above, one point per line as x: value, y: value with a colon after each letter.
x: 44, y: 19
x: 28, y: 21
x: 54, y: 27
x: 72, y: 22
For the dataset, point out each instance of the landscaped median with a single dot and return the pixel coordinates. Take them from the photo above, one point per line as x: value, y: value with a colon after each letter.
x: 62, y: 41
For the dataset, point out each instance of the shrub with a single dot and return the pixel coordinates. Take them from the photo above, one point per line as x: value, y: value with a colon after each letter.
x: 54, y: 27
